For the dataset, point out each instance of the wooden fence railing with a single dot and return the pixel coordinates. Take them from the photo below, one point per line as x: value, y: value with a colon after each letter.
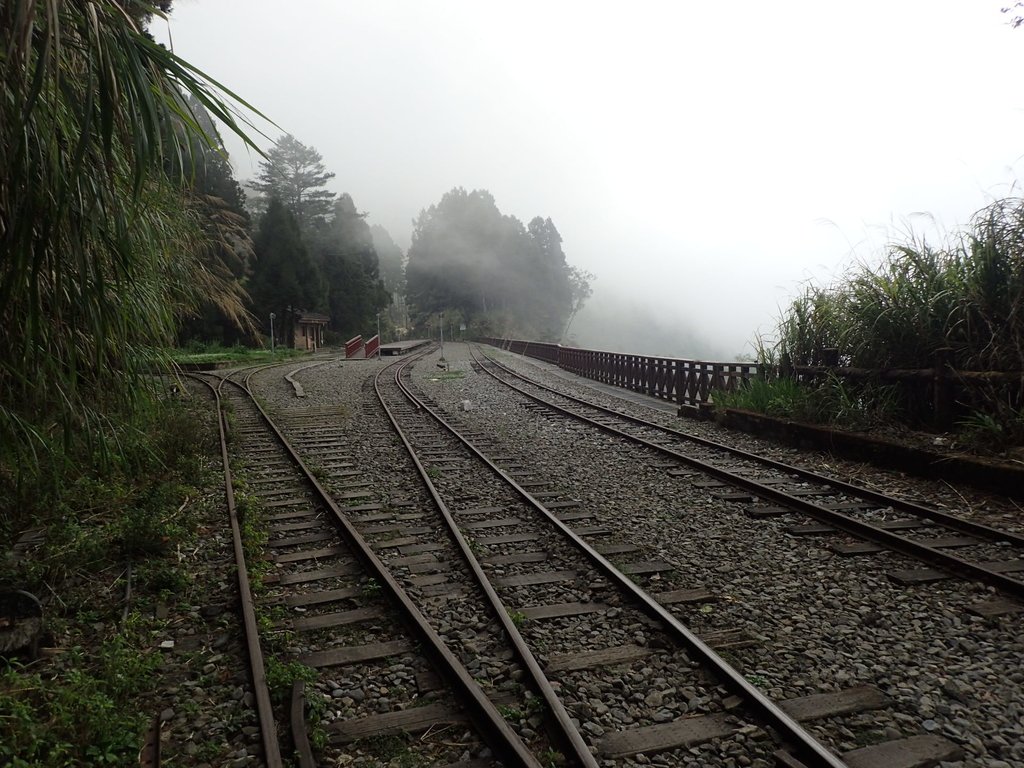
x: 935, y: 395
x: 685, y: 382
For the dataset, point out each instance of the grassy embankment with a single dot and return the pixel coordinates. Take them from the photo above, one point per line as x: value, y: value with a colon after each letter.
x: 197, y: 353
x: 113, y: 511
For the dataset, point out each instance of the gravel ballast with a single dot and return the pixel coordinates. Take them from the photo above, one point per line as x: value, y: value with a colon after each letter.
x: 818, y: 622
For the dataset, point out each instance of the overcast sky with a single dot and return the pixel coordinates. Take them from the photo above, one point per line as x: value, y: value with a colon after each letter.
x: 702, y: 159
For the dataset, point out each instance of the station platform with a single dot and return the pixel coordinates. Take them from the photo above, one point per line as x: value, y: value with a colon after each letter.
x: 401, y: 347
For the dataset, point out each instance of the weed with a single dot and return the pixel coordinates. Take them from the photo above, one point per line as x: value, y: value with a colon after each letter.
x: 510, y: 713
x: 993, y: 432
x: 518, y: 618
x: 387, y: 748
x: 371, y: 588
x: 552, y: 758
x: 433, y: 473
x: 81, y: 713
x: 321, y: 474
x: 282, y: 675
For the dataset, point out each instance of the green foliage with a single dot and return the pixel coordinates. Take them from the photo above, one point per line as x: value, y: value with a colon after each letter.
x: 295, y: 175
x: 966, y: 296
x: 993, y: 432
x: 284, y: 280
x: 282, y: 675
x: 390, y: 750
x: 346, y: 257
x: 100, y: 504
x: 102, y: 248
x: 552, y: 758
x: 79, y: 712
x: 391, y: 262
x: 829, y: 401
x: 196, y: 352
x: 510, y: 713
x: 466, y: 256
x: 81, y: 707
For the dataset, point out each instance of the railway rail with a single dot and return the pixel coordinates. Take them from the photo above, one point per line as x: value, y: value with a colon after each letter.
x: 547, y: 576
x: 879, y: 521
x: 579, y: 661
x: 329, y: 603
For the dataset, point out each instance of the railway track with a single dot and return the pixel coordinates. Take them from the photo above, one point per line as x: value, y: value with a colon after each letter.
x: 605, y: 675
x: 324, y: 600
x: 861, y: 520
x: 600, y: 638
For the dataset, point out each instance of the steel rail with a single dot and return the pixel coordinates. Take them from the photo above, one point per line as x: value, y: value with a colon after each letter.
x: 852, y: 489
x: 261, y: 690
x: 560, y: 724
x: 496, y: 731
x: 807, y: 748
x: 950, y: 563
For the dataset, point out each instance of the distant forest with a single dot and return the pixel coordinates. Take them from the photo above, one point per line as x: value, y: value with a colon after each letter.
x: 298, y: 247
x: 492, y: 272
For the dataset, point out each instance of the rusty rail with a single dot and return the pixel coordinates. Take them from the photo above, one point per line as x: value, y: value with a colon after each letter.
x: 261, y: 691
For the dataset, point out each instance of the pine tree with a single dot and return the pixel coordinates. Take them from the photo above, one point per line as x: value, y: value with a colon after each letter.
x: 295, y: 175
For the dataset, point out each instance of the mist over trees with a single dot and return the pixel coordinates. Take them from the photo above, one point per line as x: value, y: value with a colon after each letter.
x: 295, y: 175
x: 314, y: 251
x: 391, y: 263
x: 501, y: 277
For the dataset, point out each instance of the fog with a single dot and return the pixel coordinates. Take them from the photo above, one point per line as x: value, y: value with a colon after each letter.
x: 702, y: 162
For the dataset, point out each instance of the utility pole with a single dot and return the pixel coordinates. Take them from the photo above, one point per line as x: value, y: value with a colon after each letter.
x: 271, y: 333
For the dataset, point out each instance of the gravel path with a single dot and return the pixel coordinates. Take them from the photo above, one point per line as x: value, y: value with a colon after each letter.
x: 818, y: 622
x: 823, y: 622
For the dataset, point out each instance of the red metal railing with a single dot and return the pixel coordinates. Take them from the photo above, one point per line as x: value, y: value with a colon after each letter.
x: 372, y: 346
x: 352, y: 346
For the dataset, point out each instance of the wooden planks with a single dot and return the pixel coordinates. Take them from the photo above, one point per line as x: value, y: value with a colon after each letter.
x: 659, y: 738
x: 530, y: 579
x: 820, y: 705
x: 336, y: 657
x: 694, y: 730
x: 913, y: 752
x: 558, y: 610
x: 412, y: 720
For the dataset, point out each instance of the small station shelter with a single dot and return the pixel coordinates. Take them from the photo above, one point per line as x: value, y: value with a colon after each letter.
x: 309, y: 330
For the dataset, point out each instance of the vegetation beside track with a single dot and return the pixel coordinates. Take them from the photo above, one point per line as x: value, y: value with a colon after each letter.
x: 199, y: 353
x: 108, y: 520
x: 963, y: 300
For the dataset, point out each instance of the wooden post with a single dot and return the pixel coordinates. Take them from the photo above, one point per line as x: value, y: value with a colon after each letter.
x: 942, y: 386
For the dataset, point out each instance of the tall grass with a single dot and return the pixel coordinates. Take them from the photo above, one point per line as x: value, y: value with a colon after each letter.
x: 964, y: 298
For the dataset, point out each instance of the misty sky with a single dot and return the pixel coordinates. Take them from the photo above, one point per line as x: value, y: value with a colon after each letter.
x: 703, y: 159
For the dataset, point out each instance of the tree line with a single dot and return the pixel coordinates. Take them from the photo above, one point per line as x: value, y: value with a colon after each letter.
x: 123, y: 230
x: 312, y: 250
x: 309, y: 250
